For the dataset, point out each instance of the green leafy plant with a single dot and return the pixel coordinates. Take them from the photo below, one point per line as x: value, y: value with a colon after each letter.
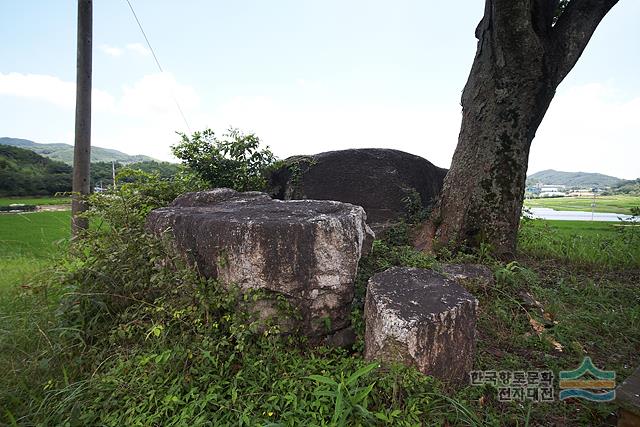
x: 236, y: 160
x: 349, y: 399
x: 416, y: 212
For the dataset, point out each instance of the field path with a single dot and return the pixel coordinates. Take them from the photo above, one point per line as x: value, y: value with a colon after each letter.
x: 54, y: 208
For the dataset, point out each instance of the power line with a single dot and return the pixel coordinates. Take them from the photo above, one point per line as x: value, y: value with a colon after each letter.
x: 157, y: 63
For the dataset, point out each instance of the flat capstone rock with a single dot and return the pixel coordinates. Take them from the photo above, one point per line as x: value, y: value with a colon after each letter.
x: 306, y: 251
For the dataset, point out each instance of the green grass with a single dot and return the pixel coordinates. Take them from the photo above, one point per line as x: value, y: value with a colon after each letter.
x: 28, y: 243
x: 39, y: 201
x: 584, y: 243
x: 33, y: 235
x: 580, y: 228
x: 194, y: 371
x: 588, y: 313
x: 613, y: 204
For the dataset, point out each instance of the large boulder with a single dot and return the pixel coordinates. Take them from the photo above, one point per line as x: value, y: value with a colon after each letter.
x: 377, y: 179
x: 306, y: 251
x: 423, y: 319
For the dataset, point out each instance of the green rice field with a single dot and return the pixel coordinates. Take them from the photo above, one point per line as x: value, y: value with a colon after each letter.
x: 611, y: 204
x: 39, y: 201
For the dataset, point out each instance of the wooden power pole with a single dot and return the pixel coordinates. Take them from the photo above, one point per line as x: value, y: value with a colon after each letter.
x: 82, y: 147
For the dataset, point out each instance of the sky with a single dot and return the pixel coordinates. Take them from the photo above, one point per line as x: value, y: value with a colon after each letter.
x: 306, y: 76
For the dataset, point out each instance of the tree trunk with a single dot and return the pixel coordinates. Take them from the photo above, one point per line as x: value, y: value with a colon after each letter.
x: 520, y: 60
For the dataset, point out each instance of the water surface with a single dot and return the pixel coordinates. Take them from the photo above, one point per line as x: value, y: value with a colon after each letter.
x: 548, y: 213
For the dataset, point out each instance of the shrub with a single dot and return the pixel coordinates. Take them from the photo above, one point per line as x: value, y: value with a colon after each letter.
x: 234, y: 161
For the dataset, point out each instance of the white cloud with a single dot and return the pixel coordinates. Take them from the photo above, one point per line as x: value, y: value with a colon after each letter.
x: 111, y: 50
x: 142, y: 119
x: 590, y: 128
x: 50, y: 89
x: 287, y: 128
x: 426, y: 130
x: 152, y: 95
x: 137, y: 138
x: 147, y: 116
x: 155, y: 95
x: 134, y: 48
x: 138, y: 48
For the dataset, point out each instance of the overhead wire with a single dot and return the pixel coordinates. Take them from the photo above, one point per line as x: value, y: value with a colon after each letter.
x: 155, y: 57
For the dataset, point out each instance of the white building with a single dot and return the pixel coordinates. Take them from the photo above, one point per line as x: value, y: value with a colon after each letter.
x: 552, y: 190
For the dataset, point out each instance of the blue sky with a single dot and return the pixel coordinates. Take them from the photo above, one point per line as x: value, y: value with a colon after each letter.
x: 306, y: 76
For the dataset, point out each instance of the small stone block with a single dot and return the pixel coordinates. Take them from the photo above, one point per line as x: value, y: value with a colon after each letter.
x: 421, y: 318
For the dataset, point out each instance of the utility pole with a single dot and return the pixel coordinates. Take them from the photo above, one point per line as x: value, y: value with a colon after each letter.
x: 113, y: 173
x: 82, y: 147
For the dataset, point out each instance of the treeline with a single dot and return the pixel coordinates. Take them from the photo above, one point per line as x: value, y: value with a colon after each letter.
x: 630, y: 187
x: 102, y: 172
x: 26, y: 173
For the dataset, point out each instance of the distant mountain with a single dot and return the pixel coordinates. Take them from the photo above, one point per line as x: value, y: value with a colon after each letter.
x: 573, y: 179
x: 64, y: 152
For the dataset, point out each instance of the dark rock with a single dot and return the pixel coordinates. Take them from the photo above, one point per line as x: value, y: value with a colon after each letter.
x: 421, y: 318
x: 470, y: 275
x: 343, y: 338
x: 528, y: 301
x: 376, y: 179
x: 628, y: 400
x: 304, y: 250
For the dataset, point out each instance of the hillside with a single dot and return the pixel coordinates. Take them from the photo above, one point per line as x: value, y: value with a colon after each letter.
x: 64, y: 152
x: 573, y: 179
x: 25, y: 173
x: 631, y: 187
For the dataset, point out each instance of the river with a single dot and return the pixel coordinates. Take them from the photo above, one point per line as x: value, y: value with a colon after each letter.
x: 548, y: 213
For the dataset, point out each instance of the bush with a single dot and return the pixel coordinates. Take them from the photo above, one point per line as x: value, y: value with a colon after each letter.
x: 235, y: 161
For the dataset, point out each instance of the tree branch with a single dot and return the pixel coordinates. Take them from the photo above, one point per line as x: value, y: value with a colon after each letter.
x: 573, y: 31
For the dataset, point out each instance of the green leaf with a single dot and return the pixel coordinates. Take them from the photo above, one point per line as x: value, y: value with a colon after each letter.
x: 361, y: 372
x: 321, y: 379
x: 382, y: 416
x: 362, y: 394
x: 337, y: 410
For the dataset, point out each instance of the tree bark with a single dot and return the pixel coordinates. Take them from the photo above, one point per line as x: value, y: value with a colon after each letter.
x: 520, y: 60
x: 82, y: 146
